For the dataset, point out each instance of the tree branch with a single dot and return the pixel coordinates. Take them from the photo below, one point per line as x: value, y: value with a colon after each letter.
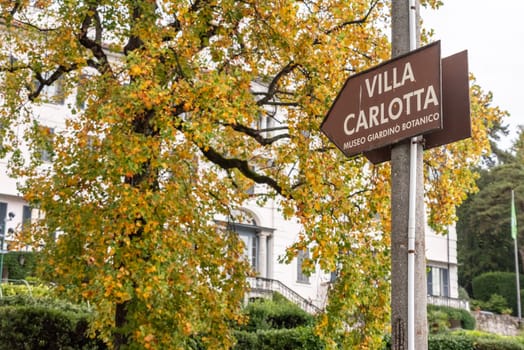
x: 257, y: 134
x: 95, y: 46
x: 277, y: 103
x: 42, y: 82
x: 356, y: 21
x: 17, y: 5
x: 242, y: 166
x: 272, y: 88
x: 134, y: 42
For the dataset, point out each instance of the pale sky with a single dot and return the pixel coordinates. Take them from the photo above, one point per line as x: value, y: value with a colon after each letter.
x: 493, y: 34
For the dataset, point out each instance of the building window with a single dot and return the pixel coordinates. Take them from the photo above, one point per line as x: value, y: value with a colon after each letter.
x: 257, y: 250
x: 57, y: 92
x: 3, y: 217
x: 3, y: 222
x: 46, y: 145
x: 26, y: 215
x: 333, y: 276
x: 248, y: 234
x: 301, y: 276
x: 438, y: 281
x: 250, y: 242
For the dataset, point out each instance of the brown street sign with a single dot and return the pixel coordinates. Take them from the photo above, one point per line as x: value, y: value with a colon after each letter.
x: 455, y: 108
x: 455, y: 104
x: 396, y: 100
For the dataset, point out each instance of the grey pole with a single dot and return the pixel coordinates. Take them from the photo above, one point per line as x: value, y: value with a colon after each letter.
x: 517, y: 275
x: 400, y: 184
x: 517, y: 280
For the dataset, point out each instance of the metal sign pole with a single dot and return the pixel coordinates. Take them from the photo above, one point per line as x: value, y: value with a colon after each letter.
x: 412, y: 197
x: 409, y: 324
x: 390, y: 91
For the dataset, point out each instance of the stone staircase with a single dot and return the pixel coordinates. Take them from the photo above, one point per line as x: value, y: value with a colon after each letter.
x: 264, y: 287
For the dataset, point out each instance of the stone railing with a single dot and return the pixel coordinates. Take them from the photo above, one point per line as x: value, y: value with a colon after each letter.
x: 262, y: 286
x: 451, y: 302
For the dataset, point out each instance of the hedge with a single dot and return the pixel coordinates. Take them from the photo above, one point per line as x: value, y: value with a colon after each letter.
x: 497, y: 344
x: 450, y: 342
x: 501, y: 283
x: 464, y: 340
x: 38, y: 325
x: 275, y: 314
x: 279, y: 339
x: 16, y: 270
x: 277, y: 324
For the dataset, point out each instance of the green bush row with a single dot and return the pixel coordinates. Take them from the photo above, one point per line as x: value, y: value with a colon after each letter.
x: 296, y: 338
x: 278, y: 313
x: 450, y: 342
x: 44, y: 324
x: 462, y: 340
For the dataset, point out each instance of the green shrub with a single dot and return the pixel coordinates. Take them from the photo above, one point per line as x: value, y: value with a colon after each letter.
x: 21, y: 287
x: 442, y: 341
x: 438, y: 321
x: 15, y: 269
x: 468, y: 340
x: 497, y: 344
x: 48, y: 302
x: 463, y: 293
x: 467, y: 321
x: 450, y: 341
x: 386, y: 342
x: 501, y: 283
x: 496, y: 303
x: 10, y: 289
x: 246, y: 340
x: 279, y: 298
x: 44, y: 323
x: 279, y: 339
x: 269, y: 314
x: 40, y: 327
x: 277, y: 324
x: 258, y: 313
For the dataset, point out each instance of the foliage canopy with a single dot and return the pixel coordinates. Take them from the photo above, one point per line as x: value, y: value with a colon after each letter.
x: 188, y: 104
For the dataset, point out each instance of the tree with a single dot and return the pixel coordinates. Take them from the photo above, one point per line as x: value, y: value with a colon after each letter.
x: 518, y: 147
x: 483, y: 229
x: 171, y: 137
x: 446, y: 194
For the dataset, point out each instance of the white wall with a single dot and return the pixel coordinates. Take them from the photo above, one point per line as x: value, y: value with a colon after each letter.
x: 15, y: 206
x: 285, y: 234
x: 441, y: 251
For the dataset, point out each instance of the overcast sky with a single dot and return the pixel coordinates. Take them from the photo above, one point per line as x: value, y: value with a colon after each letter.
x: 493, y: 34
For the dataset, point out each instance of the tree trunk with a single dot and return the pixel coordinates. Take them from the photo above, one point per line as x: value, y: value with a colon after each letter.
x: 121, y: 337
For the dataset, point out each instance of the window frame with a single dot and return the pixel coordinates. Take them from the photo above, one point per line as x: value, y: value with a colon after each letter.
x: 301, y: 276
